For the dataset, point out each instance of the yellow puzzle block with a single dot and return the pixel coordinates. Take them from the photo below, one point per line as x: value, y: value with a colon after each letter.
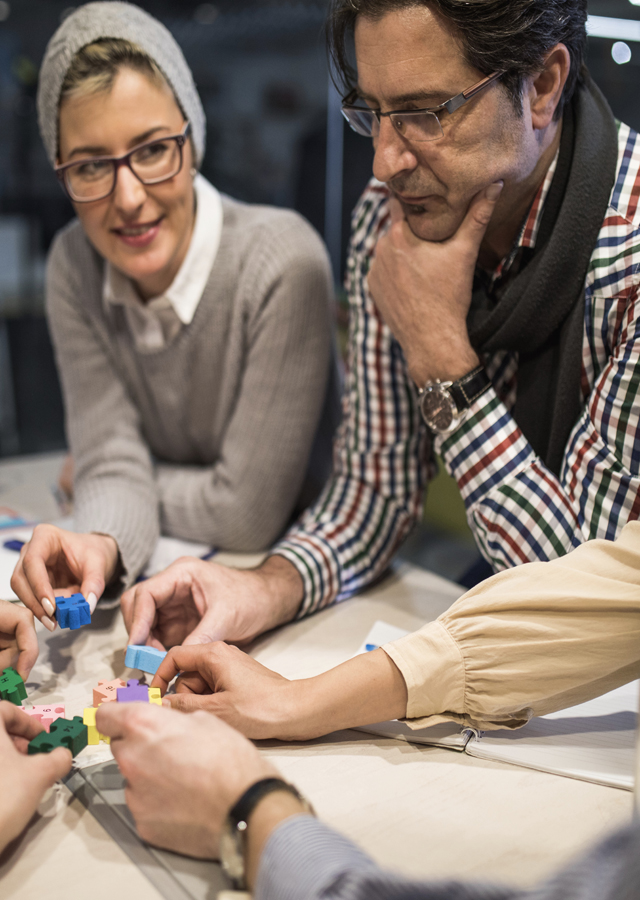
x: 93, y: 735
x: 154, y: 696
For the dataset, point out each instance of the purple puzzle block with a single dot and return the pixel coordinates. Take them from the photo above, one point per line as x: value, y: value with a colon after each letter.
x: 133, y: 692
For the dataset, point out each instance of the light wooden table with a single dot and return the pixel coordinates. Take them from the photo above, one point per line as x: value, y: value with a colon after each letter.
x: 423, y: 811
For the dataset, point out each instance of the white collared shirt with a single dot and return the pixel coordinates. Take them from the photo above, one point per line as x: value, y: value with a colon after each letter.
x: 155, y: 323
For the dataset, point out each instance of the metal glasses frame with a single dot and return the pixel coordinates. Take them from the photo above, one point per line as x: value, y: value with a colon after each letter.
x: 124, y: 160
x: 449, y: 106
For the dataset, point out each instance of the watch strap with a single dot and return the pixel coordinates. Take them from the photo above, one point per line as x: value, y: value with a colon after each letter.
x: 253, y: 795
x: 237, y: 823
x: 468, y: 388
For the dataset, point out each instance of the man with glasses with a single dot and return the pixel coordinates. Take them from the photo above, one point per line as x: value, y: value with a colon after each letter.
x: 493, y: 291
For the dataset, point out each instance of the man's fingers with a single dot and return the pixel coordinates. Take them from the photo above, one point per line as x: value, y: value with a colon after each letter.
x: 115, y: 719
x: 17, y: 723
x: 476, y: 221
x: 47, y: 768
x: 395, y: 211
x: 140, y: 615
x: 188, y: 703
x: 191, y: 658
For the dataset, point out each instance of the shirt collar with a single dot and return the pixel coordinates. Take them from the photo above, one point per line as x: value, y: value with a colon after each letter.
x: 531, y: 225
x: 185, y: 291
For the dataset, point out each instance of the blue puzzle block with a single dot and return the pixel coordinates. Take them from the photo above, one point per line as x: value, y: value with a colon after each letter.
x: 72, y: 612
x: 147, y: 659
x: 134, y: 692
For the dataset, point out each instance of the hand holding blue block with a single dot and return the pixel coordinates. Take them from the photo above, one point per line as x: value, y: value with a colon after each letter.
x: 147, y: 659
x: 72, y: 612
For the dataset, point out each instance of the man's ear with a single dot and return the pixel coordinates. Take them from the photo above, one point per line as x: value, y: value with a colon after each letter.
x: 545, y: 88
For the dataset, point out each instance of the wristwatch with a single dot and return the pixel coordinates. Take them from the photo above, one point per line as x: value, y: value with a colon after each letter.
x: 233, y: 836
x: 445, y: 404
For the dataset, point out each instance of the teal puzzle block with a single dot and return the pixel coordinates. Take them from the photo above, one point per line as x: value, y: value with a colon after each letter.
x: 12, y: 687
x: 147, y: 659
x: 69, y: 733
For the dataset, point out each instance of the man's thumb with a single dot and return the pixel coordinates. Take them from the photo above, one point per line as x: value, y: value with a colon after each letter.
x: 480, y: 213
x: 47, y: 768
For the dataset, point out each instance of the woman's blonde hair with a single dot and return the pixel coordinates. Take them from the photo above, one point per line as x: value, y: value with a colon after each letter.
x: 94, y: 67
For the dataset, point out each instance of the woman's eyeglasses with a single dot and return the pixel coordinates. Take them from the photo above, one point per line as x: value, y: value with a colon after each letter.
x: 412, y: 124
x: 153, y: 162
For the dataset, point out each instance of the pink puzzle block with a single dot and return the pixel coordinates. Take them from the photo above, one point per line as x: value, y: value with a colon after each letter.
x: 45, y: 714
x: 107, y: 691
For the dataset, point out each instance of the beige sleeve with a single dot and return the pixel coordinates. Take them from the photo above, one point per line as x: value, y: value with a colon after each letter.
x: 529, y: 641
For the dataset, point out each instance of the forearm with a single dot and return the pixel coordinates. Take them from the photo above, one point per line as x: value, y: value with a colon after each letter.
x: 282, y: 591
x: 269, y: 813
x: 501, y: 482
x: 531, y: 640
x: 368, y: 688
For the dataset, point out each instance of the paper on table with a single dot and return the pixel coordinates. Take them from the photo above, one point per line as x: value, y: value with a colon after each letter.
x: 594, y: 741
x: 445, y: 734
x: 9, y: 558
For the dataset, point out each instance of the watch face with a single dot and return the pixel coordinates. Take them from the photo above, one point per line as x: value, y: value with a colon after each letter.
x: 438, y: 408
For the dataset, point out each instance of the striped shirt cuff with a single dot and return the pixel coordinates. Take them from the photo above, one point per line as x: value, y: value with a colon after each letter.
x: 318, y: 565
x: 305, y: 858
x: 486, y: 450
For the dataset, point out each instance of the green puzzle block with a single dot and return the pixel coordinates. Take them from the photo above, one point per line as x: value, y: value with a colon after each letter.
x: 69, y: 733
x: 12, y: 687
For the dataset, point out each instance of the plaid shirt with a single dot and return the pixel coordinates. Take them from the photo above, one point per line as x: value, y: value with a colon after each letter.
x: 518, y: 510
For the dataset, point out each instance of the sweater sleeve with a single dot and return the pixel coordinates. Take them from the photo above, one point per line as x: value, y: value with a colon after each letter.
x: 529, y: 641
x: 244, y: 501
x: 114, y: 490
x: 303, y: 858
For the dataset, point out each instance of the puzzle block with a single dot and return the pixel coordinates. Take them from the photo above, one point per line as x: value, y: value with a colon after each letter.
x: 45, y: 714
x: 69, y: 733
x: 107, y: 691
x: 12, y: 686
x: 72, y: 612
x: 93, y: 735
x: 147, y: 659
x: 155, y: 697
x: 134, y: 692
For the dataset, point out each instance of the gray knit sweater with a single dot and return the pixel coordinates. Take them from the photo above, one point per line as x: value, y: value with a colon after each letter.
x: 209, y: 438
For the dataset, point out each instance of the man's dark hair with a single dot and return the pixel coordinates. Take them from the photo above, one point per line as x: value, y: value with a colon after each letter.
x: 510, y: 36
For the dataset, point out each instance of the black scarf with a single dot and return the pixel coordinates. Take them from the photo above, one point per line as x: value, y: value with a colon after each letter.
x: 541, y: 313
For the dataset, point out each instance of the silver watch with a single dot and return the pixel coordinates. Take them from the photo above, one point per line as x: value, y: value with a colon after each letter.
x: 445, y: 404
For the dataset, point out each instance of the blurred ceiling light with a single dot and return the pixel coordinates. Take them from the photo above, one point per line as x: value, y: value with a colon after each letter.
x: 5, y: 10
x: 615, y: 29
x: 634, y: 2
x: 206, y: 13
x: 621, y: 52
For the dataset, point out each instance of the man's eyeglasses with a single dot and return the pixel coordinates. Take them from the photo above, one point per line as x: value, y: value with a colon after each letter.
x: 94, y: 178
x: 412, y: 124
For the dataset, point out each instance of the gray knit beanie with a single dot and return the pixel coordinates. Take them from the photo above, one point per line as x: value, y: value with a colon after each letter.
x: 124, y: 21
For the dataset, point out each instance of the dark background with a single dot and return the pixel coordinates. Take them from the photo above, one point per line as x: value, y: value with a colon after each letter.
x: 274, y: 131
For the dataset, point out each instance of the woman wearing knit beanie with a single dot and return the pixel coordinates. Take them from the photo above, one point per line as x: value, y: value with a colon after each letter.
x: 192, y: 331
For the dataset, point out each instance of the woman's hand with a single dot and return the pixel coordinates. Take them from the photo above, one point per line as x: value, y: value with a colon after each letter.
x: 261, y: 704
x: 221, y: 679
x: 18, y: 641
x: 23, y: 779
x: 183, y: 773
x: 56, y: 560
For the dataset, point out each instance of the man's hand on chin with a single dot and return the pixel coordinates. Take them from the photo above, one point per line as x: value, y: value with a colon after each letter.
x: 423, y: 290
